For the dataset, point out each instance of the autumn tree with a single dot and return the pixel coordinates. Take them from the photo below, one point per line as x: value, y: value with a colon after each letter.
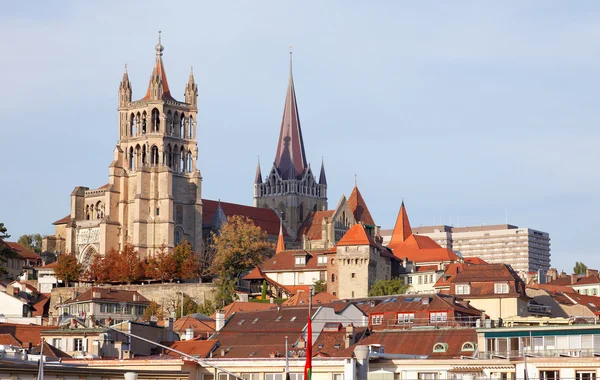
x: 128, y: 267
x: 388, y: 287
x: 68, y: 269
x: 240, y: 246
x: 153, y: 310
x: 161, y: 266
x: 97, y: 271
x: 6, y: 252
x: 32, y: 242
x: 205, y: 259
x: 186, y: 261
x: 580, y: 268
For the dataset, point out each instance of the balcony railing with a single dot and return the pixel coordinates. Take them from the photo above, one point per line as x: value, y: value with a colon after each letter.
x: 573, y: 352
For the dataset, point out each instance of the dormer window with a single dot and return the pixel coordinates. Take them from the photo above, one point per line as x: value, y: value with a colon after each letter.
x: 501, y: 288
x: 322, y: 260
x: 300, y: 260
x: 440, y: 347
x: 463, y: 289
x: 468, y: 346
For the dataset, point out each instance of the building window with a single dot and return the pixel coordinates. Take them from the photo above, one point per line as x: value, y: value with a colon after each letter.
x: 427, y: 376
x: 157, y: 211
x: 440, y: 347
x: 249, y: 376
x: 338, y: 376
x: 274, y: 376
x: 549, y: 375
x: 420, y: 280
x: 409, y: 280
x: 463, y: 289
x: 301, y: 278
x: 501, y: 288
x: 377, y: 319
x: 406, y: 318
x: 77, y: 344
x: 322, y: 260
x: 57, y: 342
x: 353, y: 275
x: 300, y: 260
x: 438, y: 317
x: 468, y: 346
x: 332, y: 277
x: 585, y: 375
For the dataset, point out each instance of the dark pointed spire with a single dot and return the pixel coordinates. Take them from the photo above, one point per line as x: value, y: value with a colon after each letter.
x: 258, y: 177
x: 158, y: 87
x: 290, y: 158
x: 322, y: 178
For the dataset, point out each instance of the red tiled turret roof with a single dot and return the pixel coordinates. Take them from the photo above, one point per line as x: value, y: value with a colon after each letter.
x: 359, y: 208
x: 356, y: 235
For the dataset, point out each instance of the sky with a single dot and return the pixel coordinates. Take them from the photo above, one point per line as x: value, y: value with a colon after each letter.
x: 472, y: 112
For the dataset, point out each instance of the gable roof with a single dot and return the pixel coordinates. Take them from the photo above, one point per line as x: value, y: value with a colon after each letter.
x: 402, y: 228
x: 588, y: 280
x: 25, y: 333
x: 264, y: 218
x: 285, y: 261
x: 331, y: 343
x: 197, y: 348
x: 50, y: 351
x: 238, y: 306
x: 359, y: 208
x: 109, y: 294
x: 312, y: 226
x: 206, y: 326
x: 482, y: 279
x: 301, y: 298
x: 64, y: 220
x: 356, y: 235
x: 9, y: 340
x: 23, y: 252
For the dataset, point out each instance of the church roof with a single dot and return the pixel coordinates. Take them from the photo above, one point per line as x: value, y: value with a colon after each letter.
x: 280, y: 243
x: 312, y: 224
x: 359, y: 208
x: 290, y: 159
x: 265, y: 218
x: 159, y: 75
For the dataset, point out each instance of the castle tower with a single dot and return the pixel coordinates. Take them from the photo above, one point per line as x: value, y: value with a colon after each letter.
x: 291, y: 189
x: 154, y: 192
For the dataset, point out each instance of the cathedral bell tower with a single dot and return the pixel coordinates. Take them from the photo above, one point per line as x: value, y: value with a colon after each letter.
x: 290, y: 189
x: 154, y: 170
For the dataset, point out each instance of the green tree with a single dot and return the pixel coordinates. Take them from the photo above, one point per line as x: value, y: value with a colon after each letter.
x: 68, y: 268
x: 32, y: 242
x: 153, y: 310
x: 580, y: 268
x: 388, y: 287
x: 207, y: 309
x: 6, y: 252
x: 225, y: 291
x: 186, y: 261
x: 320, y: 286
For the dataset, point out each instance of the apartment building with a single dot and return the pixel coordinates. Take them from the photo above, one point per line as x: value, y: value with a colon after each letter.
x: 525, y: 249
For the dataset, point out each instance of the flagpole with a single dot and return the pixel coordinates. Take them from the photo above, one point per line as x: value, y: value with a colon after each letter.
x: 287, y: 363
x: 41, y: 368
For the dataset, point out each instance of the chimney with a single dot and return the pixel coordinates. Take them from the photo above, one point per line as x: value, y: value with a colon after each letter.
x: 589, y: 272
x: 220, y: 320
x: 168, y: 323
x: 301, y: 344
x: 349, y: 341
x: 573, y: 278
x: 136, y: 297
x: 189, y: 333
x: 362, y: 361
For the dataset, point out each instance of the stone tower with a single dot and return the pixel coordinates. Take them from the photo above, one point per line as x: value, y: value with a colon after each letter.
x: 291, y: 189
x: 154, y: 192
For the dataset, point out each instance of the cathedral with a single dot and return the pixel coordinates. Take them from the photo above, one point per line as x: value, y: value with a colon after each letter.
x: 153, y: 197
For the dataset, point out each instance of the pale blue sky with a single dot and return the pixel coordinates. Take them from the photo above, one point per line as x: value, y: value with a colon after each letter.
x: 462, y: 108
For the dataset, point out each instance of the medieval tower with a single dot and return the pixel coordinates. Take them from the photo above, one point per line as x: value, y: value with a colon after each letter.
x: 291, y: 189
x: 153, y: 197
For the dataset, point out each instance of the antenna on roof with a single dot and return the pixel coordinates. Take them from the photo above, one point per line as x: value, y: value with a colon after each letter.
x: 355, y: 181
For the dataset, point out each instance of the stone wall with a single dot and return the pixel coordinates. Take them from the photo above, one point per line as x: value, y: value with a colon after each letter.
x: 163, y: 294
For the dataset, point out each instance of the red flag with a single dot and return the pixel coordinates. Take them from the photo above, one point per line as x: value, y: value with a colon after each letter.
x: 308, y: 365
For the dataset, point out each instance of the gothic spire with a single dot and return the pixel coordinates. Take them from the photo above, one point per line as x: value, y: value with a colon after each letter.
x: 191, y: 90
x: 258, y: 176
x: 280, y: 243
x: 402, y: 230
x: 158, y: 88
x: 125, y: 89
x: 290, y: 158
x: 322, y: 178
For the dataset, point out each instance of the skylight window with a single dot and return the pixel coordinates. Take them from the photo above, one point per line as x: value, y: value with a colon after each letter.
x: 255, y: 320
x: 241, y: 322
x: 278, y: 318
x: 416, y: 299
x: 407, y: 300
x: 591, y: 304
x: 293, y: 319
x: 337, y: 345
x: 320, y: 345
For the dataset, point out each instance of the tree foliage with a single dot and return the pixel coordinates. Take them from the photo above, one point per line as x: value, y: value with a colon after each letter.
x: 153, y: 310
x: 580, y: 268
x: 161, y: 266
x: 320, y: 286
x: 32, y: 242
x: 6, y: 252
x: 68, y: 269
x: 186, y: 261
x: 388, y: 287
x: 240, y: 246
x: 128, y: 266
x: 208, y: 308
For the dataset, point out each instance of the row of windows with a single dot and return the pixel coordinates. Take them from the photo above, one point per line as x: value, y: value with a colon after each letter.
x: 434, y: 317
x: 466, y: 289
x: 116, y: 308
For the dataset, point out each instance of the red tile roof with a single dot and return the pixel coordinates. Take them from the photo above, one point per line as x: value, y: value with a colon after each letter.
x: 23, y: 252
x: 301, y: 298
x: 265, y: 218
x: 237, y: 307
x: 280, y: 243
x: 482, y: 278
x: 587, y: 280
x: 41, y: 305
x: 109, y: 294
x: 421, y: 342
x: 563, y: 281
x: 359, y: 208
x: 49, y: 266
x: 285, y: 261
x: 159, y: 71
x: 356, y: 235
x: 312, y: 226
x: 197, y: 348
x: 331, y: 343
x: 64, y: 220
x: 402, y: 228
x: 50, y: 351
x: 25, y: 333
x: 9, y: 340
x: 294, y: 289
x: 200, y: 327
x: 475, y: 260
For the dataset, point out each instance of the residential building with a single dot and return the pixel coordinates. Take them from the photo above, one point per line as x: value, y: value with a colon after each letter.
x: 526, y: 249
x: 194, y: 326
x: 47, y: 278
x: 103, y: 305
x: 153, y: 197
x: 496, y: 289
x: 23, y: 304
x: 22, y: 264
x: 565, y: 302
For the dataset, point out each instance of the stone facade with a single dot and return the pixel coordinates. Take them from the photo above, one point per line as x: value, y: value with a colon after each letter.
x: 153, y: 196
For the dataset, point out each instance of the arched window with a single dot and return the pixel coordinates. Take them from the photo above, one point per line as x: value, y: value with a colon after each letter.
x: 468, y: 346
x: 144, y: 122
x: 169, y: 156
x: 154, y: 155
x: 190, y: 164
x: 131, y: 159
x: 138, y: 156
x: 175, y: 158
x: 169, y: 123
x: 132, y: 125
x: 178, y: 236
x: 99, y: 210
x: 332, y: 277
x: 440, y: 347
x: 182, y: 126
x: 155, y: 120
x: 301, y: 211
x: 191, y: 127
x: 182, y: 160
x: 87, y: 212
x: 174, y: 124
x: 144, y: 162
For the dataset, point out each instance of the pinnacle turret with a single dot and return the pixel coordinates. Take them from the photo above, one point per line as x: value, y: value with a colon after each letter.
x: 322, y: 178
x: 191, y: 90
x: 125, y: 89
x: 258, y: 176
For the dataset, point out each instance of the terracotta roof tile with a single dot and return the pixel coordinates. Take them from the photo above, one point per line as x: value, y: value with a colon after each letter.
x: 23, y: 252
x: 203, y: 328
x: 312, y: 226
x: 25, y: 333
x: 587, y: 280
x: 197, y: 348
x: 9, y: 340
x: 332, y: 343
x: 64, y: 220
x: 482, y: 279
x: 359, y: 208
x: 237, y: 307
x: 356, y: 235
x: 301, y: 298
x: 265, y: 218
x: 285, y: 260
x: 109, y: 294
x: 402, y: 228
